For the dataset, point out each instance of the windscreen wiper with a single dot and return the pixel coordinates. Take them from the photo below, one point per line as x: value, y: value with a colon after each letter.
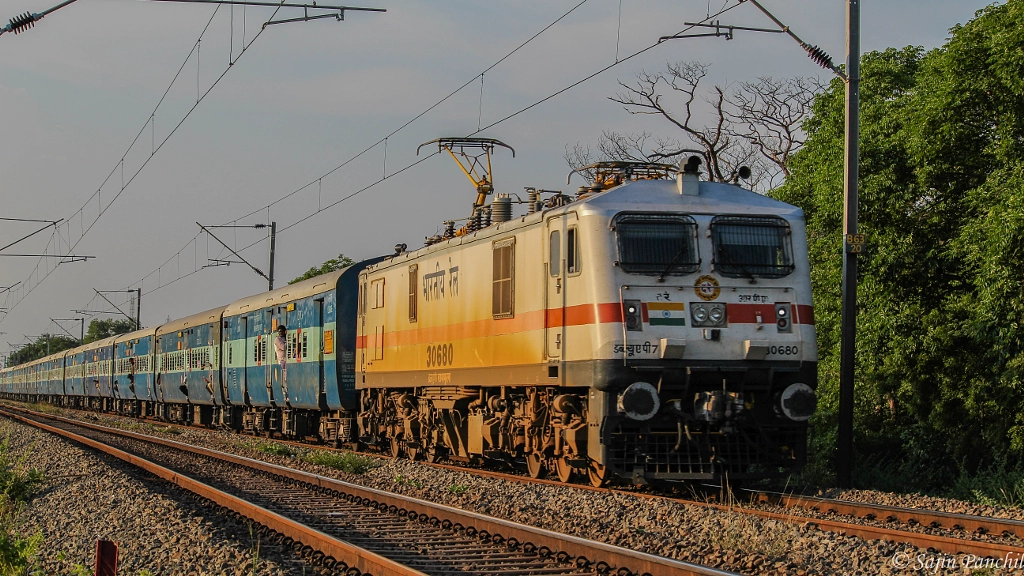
x: 672, y: 264
x: 722, y: 251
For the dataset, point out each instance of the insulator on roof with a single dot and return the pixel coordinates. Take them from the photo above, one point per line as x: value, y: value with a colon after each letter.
x: 501, y: 208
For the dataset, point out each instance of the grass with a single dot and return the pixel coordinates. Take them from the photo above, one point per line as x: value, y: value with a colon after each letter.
x: 999, y: 485
x: 344, y: 461
x: 404, y: 481
x: 268, y: 447
x: 458, y: 488
x: 18, y: 552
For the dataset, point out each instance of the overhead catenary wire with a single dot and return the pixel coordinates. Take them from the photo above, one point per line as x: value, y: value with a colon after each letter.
x: 11, y: 303
x: 518, y: 112
x: 319, y: 179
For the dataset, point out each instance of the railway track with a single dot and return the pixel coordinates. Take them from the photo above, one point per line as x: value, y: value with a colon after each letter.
x: 869, y: 521
x: 360, y: 531
x: 980, y: 525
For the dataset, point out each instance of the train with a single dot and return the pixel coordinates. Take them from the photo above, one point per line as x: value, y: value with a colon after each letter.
x: 651, y: 327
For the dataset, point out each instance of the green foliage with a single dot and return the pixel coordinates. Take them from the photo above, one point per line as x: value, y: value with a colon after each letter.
x: 17, y: 552
x: 40, y: 348
x: 332, y: 265
x: 271, y: 448
x: 998, y: 485
x: 100, y: 329
x: 405, y: 481
x: 458, y: 488
x: 344, y: 461
x: 940, y: 350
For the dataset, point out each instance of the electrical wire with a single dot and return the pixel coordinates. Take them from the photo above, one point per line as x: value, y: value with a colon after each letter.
x: 319, y: 179
x: 324, y: 208
x: 124, y: 185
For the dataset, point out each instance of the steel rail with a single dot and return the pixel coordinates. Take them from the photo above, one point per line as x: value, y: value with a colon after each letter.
x: 353, y: 556
x: 496, y: 528
x: 922, y: 540
x: 932, y: 518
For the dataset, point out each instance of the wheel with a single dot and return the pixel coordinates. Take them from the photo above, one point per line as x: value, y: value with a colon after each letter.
x: 564, y: 469
x: 432, y: 454
x: 414, y: 453
x: 598, y: 474
x: 535, y: 465
x: 396, y: 446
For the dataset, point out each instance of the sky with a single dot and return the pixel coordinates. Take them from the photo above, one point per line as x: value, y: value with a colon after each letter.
x: 132, y: 120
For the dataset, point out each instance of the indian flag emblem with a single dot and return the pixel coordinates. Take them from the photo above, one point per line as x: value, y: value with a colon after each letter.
x: 666, y: 314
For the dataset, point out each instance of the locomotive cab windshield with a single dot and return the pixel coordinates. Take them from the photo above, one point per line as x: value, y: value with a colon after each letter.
x: 750, y: 247
x: 657, y: 244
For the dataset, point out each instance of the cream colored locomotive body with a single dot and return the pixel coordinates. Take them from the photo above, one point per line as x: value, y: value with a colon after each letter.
x: 536, y: 338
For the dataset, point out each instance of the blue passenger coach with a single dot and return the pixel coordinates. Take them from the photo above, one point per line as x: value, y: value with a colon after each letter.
x: 220, y: 367
x: 133, y: 372
x: 188, y: 368
x: 318, y: 381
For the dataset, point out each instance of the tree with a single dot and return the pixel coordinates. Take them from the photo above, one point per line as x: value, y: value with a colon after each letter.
x: 332, y: 265
x: 755, y: 124
x: 100, y: 329
x: 940, y: 351
x: 40, y: 348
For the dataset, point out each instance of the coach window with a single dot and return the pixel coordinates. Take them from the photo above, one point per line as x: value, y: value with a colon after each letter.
x: 414, y: 283
x: 572, y: 251
x: 503, y: 287
x: 749, y: 246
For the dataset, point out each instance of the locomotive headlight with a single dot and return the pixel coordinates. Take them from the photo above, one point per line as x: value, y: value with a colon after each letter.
x: 716, y: 315
x: 700, y: 313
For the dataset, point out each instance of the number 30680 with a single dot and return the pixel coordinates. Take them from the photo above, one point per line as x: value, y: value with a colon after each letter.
x: 783, y: 350
x: 440, y: 355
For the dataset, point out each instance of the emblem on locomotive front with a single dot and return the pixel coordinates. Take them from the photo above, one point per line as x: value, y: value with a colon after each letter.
x: 707, y: 288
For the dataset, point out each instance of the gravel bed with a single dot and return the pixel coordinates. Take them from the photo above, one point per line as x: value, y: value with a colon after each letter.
x: 726, y: 540
x: 924, y: 503
x: 160, y: 529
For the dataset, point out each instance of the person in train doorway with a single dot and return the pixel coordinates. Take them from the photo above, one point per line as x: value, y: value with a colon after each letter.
x: 281, y: 348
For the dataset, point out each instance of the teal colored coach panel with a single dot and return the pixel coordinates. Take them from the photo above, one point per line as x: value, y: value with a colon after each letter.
x: 188, y: 359
x: 134, y: 365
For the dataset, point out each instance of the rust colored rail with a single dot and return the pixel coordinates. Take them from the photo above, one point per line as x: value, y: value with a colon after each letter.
x: 933, y: 518
x: 979, y: 524
x: 613, y: 559
x: 354, y: 556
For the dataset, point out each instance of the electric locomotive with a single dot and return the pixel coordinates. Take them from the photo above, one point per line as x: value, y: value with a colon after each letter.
x: 650, y: 327
x: 654, y: 327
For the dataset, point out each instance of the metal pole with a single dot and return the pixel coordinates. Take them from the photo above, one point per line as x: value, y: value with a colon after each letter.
x: 847, y: 349
x: 273, y: 247
x: 82, y: 339
x: 138, y: 309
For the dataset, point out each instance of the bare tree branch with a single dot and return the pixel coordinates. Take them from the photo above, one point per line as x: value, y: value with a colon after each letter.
x: 756, y: 124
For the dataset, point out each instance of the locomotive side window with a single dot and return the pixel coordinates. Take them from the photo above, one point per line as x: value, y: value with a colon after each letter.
x: 748, y: 246
x: 413, y: 292
x: 377, y: 287
x: 556, y: 254
x: 654, y: 244
x: 503, y: 278
x: 572, y: 251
